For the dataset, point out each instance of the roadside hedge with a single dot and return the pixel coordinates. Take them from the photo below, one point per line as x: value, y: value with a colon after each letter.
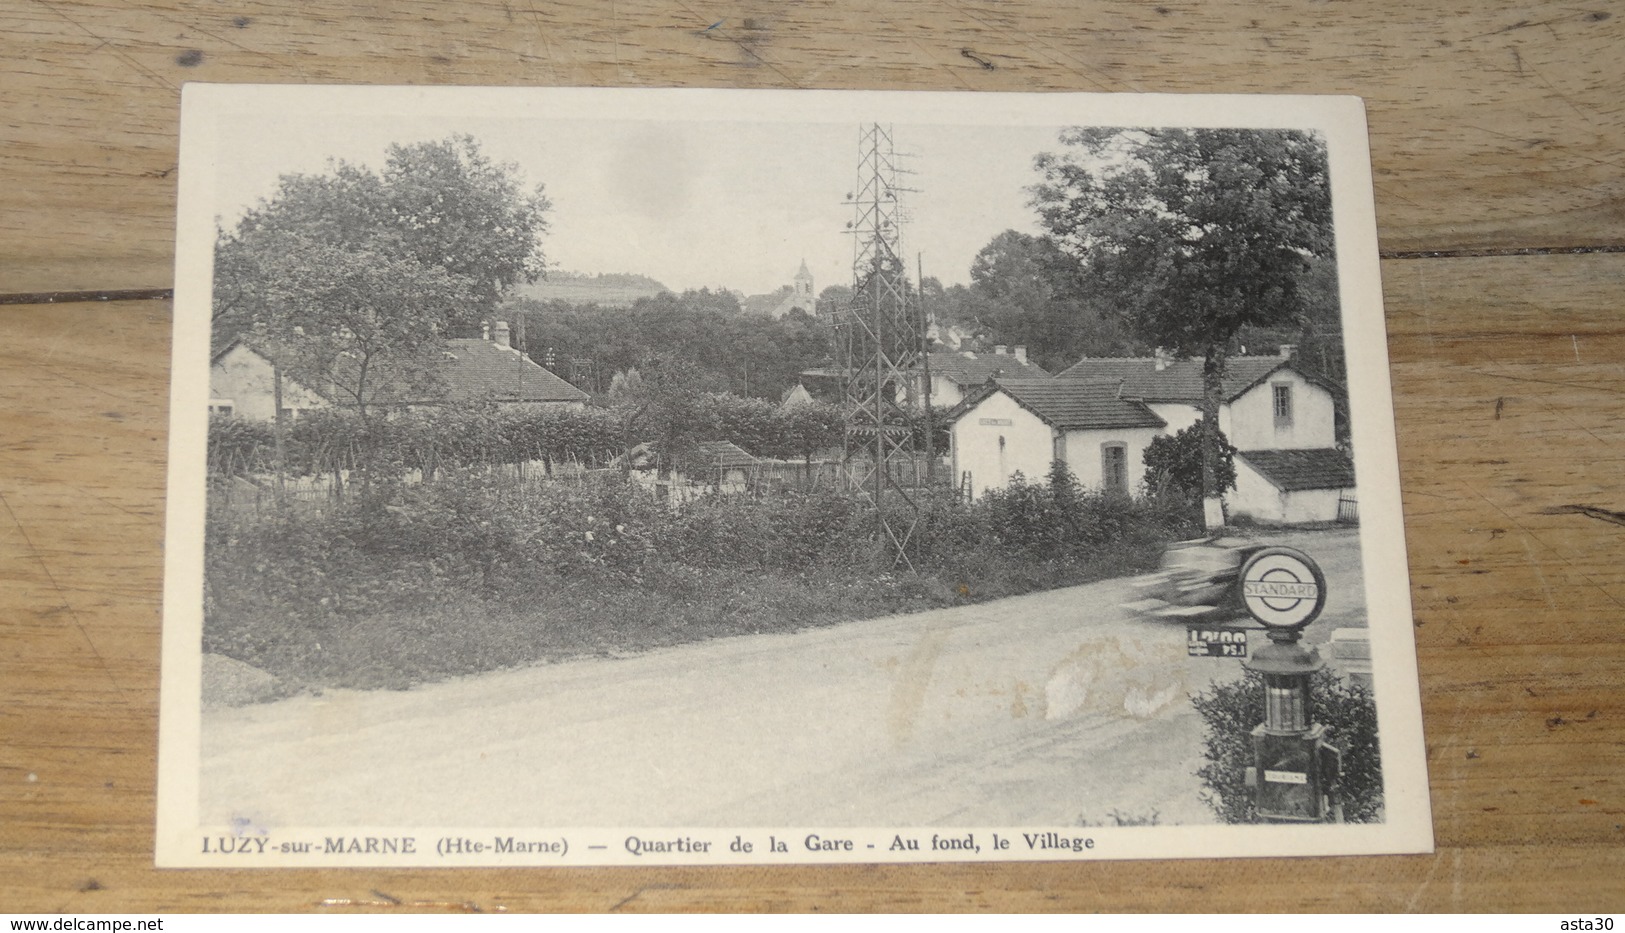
x: 328, y: 441
x: 350, y: 594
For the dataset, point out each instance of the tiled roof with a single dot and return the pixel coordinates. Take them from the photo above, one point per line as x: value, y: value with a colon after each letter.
x: 1292, y: 470
x: 476, y: 368
x: 972, y: 369
x: 1181, y: 381
x: 725, y: 454
x: 1070, y: 405
x: 471, y: 369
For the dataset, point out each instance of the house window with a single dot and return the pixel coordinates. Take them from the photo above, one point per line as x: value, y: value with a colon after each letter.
x: 220, y: 409
x: 1283, y: 405
x: 1114, y: 467
x: 1058, y: 448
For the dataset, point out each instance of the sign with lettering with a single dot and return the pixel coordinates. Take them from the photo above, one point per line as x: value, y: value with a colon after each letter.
x: 1286, y: 777
x: 999, y: 422
x: 1282, y: 587
x: 1215, y: 641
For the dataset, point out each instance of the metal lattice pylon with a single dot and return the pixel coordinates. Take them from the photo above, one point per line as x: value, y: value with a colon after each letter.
x: 881, y: 335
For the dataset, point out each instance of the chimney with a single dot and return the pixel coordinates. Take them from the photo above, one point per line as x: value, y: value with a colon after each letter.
x: 1000, y: 349
x: 1021, y: 354
x: 1163, y: 359
x: 499, y: 333
x: 1287, y: 349
x: 485, y: 330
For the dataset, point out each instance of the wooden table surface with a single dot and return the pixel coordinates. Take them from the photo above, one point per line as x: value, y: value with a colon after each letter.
x: 1498, y: 137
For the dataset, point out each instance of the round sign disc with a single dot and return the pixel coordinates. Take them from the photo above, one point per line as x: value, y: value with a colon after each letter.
x: 1282, y: 587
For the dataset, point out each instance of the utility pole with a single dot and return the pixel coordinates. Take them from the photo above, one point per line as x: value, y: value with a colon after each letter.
x: 925, y: 375
x: 883, y: 339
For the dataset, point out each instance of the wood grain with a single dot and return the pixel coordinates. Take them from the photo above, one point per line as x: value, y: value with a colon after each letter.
x: 1494, y: 125
x: 1517, y: 614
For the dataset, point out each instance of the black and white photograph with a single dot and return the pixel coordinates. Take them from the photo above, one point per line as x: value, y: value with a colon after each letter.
x: 729, y: 477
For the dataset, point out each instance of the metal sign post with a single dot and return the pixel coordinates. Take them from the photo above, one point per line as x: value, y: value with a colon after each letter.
x: 1295, y: 772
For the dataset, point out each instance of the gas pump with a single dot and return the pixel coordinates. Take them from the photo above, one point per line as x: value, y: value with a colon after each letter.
x: 1296, y: 772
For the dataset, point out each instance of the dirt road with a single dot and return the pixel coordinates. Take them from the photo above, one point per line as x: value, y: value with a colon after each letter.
x: 1054, y: 708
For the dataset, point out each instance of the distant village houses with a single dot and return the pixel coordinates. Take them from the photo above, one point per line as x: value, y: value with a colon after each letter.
x: 953, y: 375
x: 475, y: 369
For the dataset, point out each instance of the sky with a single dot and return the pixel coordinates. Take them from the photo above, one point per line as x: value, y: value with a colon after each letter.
x: 691, y: 203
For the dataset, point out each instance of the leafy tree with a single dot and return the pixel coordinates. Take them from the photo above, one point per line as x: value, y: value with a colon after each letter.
x: 666, y: 410
x: 440, y: 206
x: 362, y: 324
x: 1022, y: 282
x: 1174, y: 461
x: 1190, y: 235
x: 1023, y: 293
x: 834, y: 296
x: 452, y: 207
x: 351, y: 279
x: 808, y: 429
x: 751, y: 423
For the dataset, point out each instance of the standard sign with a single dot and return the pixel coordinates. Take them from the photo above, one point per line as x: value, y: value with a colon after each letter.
x: 1282, y: 587
x: 1215, y: 641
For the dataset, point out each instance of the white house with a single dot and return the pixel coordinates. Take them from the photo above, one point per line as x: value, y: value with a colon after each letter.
x: 1279, y: 418
x: 1021, y: 425
x: 242, y: 380
x: 1267, y: 403
x: 1292, y: 486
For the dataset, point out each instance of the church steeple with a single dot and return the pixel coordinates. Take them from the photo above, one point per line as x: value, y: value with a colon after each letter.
x: 804, y: 280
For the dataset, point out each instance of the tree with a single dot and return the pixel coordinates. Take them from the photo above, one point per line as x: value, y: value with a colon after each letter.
x: 438, y: 211
x: 350, y: 280
x: 1174, y: 461
x: 1190, y: 235
x: 452, y: 207
x: 808, y: 429
x: 1020, y: 284
x: 667, y: 410
x: 834, y: 297
x: 363, y: 325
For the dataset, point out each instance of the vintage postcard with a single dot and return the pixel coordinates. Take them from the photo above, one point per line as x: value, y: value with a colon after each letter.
x: 575, y: 477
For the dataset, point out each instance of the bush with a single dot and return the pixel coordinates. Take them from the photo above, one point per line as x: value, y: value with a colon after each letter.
x: 1173, y: 463
x: 238, y: 447
x: 478, y: 573
x: 1230, y: 711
